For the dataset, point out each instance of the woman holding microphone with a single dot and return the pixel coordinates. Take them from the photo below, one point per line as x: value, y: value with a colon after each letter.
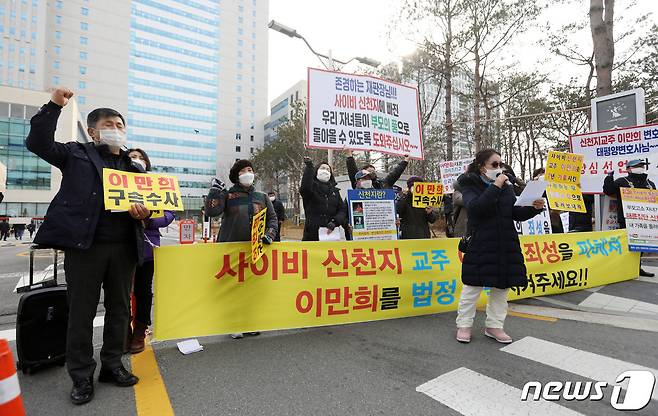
x: 492, y: 256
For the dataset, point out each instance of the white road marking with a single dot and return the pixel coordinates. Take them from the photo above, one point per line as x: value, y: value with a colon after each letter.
x: 10, y: 334
x: 619, y: 304
x: 572, y: 360
x: 473, y: 394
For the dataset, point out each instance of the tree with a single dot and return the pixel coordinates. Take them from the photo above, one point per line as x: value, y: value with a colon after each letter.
x: 601, y: 18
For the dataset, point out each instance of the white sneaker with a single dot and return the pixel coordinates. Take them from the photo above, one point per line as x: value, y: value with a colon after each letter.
x: 239, y: 335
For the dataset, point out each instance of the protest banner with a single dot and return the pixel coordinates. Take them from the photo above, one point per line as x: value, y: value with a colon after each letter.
x: 608, y: 151
x: 157, y: 192
x: 257, y: 233
x: 641, y: 214
x: 372, y: 214
x: 186, y: 231
x: 308, y: 284
x: 450, y: 171
x: 361, y: 112
x: 609, y: 219
x: 537, y: 225
x: 427, y: 194
x: 563, y: 181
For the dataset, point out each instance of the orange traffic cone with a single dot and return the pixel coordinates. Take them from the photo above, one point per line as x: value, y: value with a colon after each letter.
x: 11, y: 403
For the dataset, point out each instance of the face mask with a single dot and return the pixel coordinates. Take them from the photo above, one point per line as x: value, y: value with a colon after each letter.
x: 246, y: 179
x: 493, y: 173
x: 323, y: 175
x: 638, y: 171
x: 139, y: 164
x: 112, y: 137
x: 540, y: 178
x: 367, y: 184
x: 272, y: 198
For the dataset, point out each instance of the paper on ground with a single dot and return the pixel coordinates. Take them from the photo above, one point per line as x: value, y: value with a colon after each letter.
x: 332, y: 236
x: 189, y: 346
x: 534, y: 190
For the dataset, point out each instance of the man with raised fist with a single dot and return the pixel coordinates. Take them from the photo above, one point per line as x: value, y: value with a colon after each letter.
x: 101, y: 247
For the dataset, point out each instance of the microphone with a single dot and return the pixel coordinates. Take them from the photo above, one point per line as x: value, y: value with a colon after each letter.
x: 507, y: 181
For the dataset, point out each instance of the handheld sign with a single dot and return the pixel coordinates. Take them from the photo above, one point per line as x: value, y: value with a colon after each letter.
x: 257, y: 233
x: 156, y: 192
x: 427, y: 194
x: 187, y: 231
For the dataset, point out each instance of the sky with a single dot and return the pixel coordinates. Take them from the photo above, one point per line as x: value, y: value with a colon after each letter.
x: 363, y: 28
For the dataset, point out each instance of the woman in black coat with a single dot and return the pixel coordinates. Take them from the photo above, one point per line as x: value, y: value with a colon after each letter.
x: 494, y: 258
x: 323, y: 205
x: 414, y: 222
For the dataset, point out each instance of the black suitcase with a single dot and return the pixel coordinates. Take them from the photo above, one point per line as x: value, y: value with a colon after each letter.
x: 41, y: 321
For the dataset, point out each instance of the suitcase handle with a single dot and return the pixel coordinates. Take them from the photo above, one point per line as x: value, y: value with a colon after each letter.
x: 52, y: 282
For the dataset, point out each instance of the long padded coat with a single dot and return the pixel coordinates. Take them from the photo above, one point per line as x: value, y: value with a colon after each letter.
x: 494, y: 257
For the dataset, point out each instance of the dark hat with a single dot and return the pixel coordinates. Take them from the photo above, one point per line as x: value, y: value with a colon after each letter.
x: 636, y: 162
x: 410, y: 181
x: 236, y: 168
x: 361, y: 174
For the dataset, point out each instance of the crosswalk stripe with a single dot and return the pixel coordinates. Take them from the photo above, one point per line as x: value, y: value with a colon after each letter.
x: 473, y: 394
x: 619, y: 304
x: 572, y: 360
x: 10, y: 334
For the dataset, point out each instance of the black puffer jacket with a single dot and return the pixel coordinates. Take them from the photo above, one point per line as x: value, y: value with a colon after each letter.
x: 494, y: 258
x: 323, y: 205
x: 414, y: 222
x: 612, y: 187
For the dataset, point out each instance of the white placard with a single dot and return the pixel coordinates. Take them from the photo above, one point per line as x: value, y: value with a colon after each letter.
x: 362, y: 113
x: 538, y: 225
x: 533, y: 191
x: 450, y: 171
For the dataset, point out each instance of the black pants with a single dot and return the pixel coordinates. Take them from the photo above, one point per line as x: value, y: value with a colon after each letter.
x: 278, y: 233
x: 4, y: 235
x: 110, y: 265
x: 143, y: 291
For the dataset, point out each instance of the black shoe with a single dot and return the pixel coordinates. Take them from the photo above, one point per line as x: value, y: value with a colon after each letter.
x: 644, y: 273
x: 253, y: 334
x: 82, y: 391
x: 119, y: 376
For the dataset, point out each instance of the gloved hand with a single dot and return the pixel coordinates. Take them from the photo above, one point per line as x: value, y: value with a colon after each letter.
x: 331, y: 226
x: 217, y: 184
x: 266, y: 239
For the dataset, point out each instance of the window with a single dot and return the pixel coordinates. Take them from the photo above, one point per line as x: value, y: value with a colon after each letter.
x: 82, y: 85
x: 55, y: 64
x: 251, y: 138
x: 83, y: 70
x: 58, y: 35
x: 57, y: 49
x: 239, y: 77
x: 237, y: 148
x: 241, y: 9
x: 23, y: 34
x: 82, y: 100
x: 55, y: 80
x: 21, y: 67
x: 83, y: 40
x: 240, y: 31
x: 58, y: 4
x: 84, y: 26
x: 34, y: 36
x: 238, y: 88
x: 34, y: 19
x: 58, y: 19
x: 240, y: 42
x: 32, y: 69
x: 238, y: 136
x: 251, y: 150
x: 83, y: 55
x: 239, y: 65
x: 84, y: 11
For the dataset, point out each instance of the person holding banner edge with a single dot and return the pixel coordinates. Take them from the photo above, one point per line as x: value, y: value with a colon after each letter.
x: 101, y: 247
x: 387, y: 183
x: 237, y: 206
x: 323, y: 205
x: 492, y: 256
x: 637, y: 178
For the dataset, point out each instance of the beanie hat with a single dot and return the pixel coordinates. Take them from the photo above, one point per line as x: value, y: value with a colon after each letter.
x: 237, y: 167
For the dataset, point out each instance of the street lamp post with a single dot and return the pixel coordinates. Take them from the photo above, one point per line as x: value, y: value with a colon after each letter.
x: 288, y: 31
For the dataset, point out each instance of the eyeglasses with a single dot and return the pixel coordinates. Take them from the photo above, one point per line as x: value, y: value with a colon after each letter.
x: 497, y: 165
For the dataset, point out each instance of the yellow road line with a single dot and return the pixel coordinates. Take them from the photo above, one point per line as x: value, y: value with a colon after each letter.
x: 151, y: 397
x: 525, y: 315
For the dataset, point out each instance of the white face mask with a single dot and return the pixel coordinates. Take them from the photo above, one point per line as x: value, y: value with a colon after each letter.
x: 366, y: 184
x: 493, y: 173
x: 540, y: 178
x: 246, y: 179
x: 272, y: 198
x: 112, y: 137
x: 323, y: 175
x: 637, y: 171
x: 140, y: 162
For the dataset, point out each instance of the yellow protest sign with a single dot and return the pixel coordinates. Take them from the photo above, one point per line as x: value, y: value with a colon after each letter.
x: 310, y: 284
x: 156, y: 214
x: 157, y: 192
x: 257, y: 233
x: 564, y: 197
x: 563, y: 177
x: 427, y: 194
